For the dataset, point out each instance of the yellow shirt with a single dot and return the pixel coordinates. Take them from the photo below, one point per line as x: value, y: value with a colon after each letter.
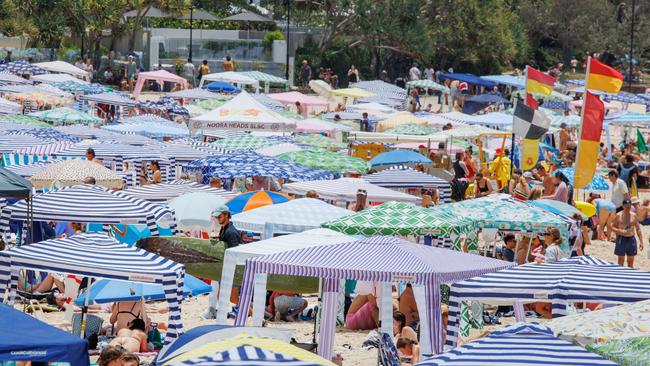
x: 501, y: 169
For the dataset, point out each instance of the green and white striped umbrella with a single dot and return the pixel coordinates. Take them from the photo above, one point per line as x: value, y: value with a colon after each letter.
x: 321, y: 141
x: 25, y: 120
x: 327, y: 160
x: 411, y: 129
x: 400, y: 218
x: 65, y: 115
x: 426, y: 84
x: 246, y: 142
x: 264, y: 77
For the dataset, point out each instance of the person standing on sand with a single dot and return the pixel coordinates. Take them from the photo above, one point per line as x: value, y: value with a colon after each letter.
x: 228, y: 65
x: 624, y: 226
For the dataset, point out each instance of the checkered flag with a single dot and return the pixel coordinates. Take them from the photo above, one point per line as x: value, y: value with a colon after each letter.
x: 531, y: 125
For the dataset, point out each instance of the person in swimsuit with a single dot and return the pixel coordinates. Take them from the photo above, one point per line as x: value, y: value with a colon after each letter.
x: 409, y: 351
x: 605, y: 213
x: 408, y: 306
x: 400, y: 329
x: 482, y: 186
x: 643, y: 212
x: 32, y: 282
x: 624, y: 226
x: 518, y: 186
x: 363, y: 313
x: 133, y: 339
x: 155, y: 172
x: 124, y: 312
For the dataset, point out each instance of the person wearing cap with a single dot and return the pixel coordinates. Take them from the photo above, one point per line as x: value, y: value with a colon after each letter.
x: 228, y: 233
x: 361, y: 203
x: 565, y: 137
x: 624, y: 226
x: 619, y: 190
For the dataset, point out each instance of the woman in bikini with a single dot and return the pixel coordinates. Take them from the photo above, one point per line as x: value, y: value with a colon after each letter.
x: 124, y: 312
x: 133, y: 339
x: 482, y: 186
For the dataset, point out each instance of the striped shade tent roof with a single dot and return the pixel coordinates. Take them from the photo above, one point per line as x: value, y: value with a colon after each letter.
x: 560, y: 283
x: 21, y: 67
x: 245, y: 142
x: 165, y: 104
x: 45, y: 134
x: 248, y: 356
x: 73, y: 172
x: 45, y: 149
x: 89, y: 203
x: 276, y: 106
x: 256, y: 349
x: 378, y: 259
x: 111, y: 98
x: 9, y: 143
x: 111, y: 150
x: 399, y: 157
x: 405, y: 177
x: 411, y: 129
x: 185, y: 152
x: 255, y: 199
x: 382, y: 89
x: 327, y: 160
x: 321, y: 141
x: 24, y: 120
x: 401, y: 218
x: 73, y: 86
x: 156, y: 130
x: 141, y: 118
x: 290, y: 217
x: 163, y: 192
x: 264, y: 77
x: 87, y: 132
x: 237, y: 256
x: 9, y: 78
x: 99, y: 256
x: 65, y: 115
x: 27, y: 170
x: 345, y: 189
x: 518, y: 344
x: 249, y: 164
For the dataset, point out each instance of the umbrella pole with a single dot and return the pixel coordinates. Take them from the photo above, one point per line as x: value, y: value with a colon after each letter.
x: 84, y: 310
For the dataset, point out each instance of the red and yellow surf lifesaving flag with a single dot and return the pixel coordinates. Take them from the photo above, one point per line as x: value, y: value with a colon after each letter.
x: 538, y: 82
x: 602, y: 77
x: 592, y: 126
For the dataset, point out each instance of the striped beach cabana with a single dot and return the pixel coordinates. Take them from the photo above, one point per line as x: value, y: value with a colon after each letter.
x: 562, y: 282
x: 163, y: 192
x: 405, y: 177
x: 100, y: 256
x: 89, y: 204
x: 519, y: 344
x: 378, y: 259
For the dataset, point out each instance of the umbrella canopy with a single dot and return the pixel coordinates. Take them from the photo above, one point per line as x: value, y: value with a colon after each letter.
x: 255, y: 199
x: 400, y: 218
x: 427, y: 84
x: 519, y: 344
x: 81, y: 88
x: 65, y: 115
x: 195, y: 209
x: 13, y: 185
x: 21, y: 67
x: 629, y: 351
x: 214, y: 349
x: 402, y: 177
x: 327, y: 160
x: 618, y: 322
x: 25, y: 338
x: 44, y: 134
x: 249, y: 164
x: 248, y: 355
x: 106, y: 291
x: 290, y: 217
x: 245, y: 142
x: 162, y: 192
x: 204, y: 334
x: 73, y: 172
x: 557, y: 207
x: 222, y: 86
x: 411, y: 129
x: 399, y: 157
x: 321, y: 141
x: 150, y: 12
x: 598, y: 183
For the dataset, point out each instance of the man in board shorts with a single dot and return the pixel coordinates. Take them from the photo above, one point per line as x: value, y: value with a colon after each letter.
x: 624, y: 226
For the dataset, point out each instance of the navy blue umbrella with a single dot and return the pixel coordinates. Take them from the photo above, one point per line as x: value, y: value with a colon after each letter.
x: 223, y: 87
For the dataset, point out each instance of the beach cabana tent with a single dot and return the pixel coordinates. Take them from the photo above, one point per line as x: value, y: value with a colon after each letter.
x: 562, y: 282
x: 427, y: 84
x: 73, y: 172
x: 203, y: 334
x: 600, y: 326
x: 231, y: 77
x: 8, y: 78
x: 398, y: 119
x: 276, y: 150
x: 245, y: 142
x: 401, y: 218
x: 327, y: 160
x: 289, y: 217
x: 155, y: 130
x: 237, y: 257
x: 383, y: 90
x: 290, y: 98
x: 57, y: 78
x: 371, y: 106
x: 65, y: 115
x: 111, y: 98
x: 163, y: 192
x: 25, y: 338
x: 98, y: 256
x: 519, y: 344
x: 468, y: 78
x: 160, y: 76
x: 515, y: 81
x: 198, y: 94
x: 345, y: 189
x: 321, y: 141
x: 403, y: 177
x: 378, y: 259
x: 21, y: 67
x: 89, y: 203
x: 266, y: 79
x: 13, y: 185
x: 242, y: 112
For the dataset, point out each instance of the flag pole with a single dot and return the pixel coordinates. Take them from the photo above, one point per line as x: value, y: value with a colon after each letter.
x: 582, y: 121
x: 512, y: 143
